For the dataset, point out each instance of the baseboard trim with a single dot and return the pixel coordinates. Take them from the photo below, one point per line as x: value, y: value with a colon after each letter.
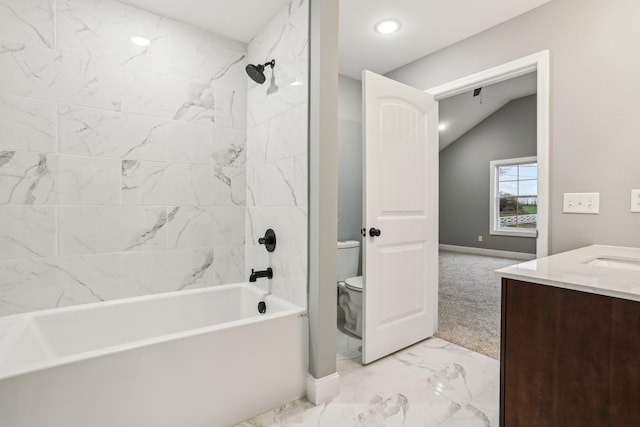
x: 321, y: 390
x: 487, y: 252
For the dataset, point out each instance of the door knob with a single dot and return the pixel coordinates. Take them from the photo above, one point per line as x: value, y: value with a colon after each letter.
x: 373, y: 232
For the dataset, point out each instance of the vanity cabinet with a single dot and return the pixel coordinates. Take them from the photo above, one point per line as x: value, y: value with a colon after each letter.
x: 568, y: 358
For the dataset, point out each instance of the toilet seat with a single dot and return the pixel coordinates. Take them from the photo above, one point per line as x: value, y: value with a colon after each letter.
x: 354, y: 283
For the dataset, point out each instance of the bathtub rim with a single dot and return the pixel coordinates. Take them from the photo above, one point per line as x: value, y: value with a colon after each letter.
x: 289, y: 310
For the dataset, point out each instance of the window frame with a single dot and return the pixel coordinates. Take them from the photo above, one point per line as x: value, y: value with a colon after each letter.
x: 494, y: 208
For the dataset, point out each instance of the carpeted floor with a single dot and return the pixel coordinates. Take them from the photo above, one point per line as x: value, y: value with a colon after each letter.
x: 469, y: 301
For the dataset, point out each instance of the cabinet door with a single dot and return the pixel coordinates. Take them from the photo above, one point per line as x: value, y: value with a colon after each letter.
x: 568, y: 358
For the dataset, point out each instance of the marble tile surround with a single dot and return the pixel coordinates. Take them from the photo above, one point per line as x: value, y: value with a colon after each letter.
x: 122, y: 168
x: 276, y: 155
x: 432, y: 383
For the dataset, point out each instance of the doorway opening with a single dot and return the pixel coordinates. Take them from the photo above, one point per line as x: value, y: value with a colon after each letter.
x: 538, y: 63
x: 493, y: 198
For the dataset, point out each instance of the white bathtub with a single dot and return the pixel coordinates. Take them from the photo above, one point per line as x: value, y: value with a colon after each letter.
x: 183, y: 359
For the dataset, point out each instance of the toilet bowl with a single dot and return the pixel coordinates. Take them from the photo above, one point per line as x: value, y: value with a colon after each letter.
x: 350, y: 300
x: 350, y: 285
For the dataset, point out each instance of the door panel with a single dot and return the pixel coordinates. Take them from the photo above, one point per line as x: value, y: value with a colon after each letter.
x: 400, y: 199
x: 400, y: 166
x: 403, y: 294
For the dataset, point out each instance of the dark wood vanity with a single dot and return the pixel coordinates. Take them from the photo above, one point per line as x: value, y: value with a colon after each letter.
x: 568, y: 357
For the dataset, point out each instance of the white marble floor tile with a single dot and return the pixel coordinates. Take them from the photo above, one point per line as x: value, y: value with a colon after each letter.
x: 432, y: 383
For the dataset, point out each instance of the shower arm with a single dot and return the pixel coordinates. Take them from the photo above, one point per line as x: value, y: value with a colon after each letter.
x: 271, y: 63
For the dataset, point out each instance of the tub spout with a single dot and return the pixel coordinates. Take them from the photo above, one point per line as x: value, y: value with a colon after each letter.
x: 255, y: 275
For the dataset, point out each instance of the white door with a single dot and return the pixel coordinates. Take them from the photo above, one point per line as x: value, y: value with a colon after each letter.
x: 401, y: 201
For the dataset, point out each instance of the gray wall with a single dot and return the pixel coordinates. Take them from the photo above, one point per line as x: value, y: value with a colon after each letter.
x: 323, y: 184
x: 349, y: 159
x: 595, y: 131
x: 508, y: 133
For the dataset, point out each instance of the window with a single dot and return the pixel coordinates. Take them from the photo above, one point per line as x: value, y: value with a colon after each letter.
x: 514, y: 197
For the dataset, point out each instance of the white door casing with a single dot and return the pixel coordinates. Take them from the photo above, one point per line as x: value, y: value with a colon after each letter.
x: 400, y: 300
x: 539, y: 63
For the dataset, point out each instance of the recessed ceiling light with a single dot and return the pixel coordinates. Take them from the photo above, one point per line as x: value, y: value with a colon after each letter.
x: 387, y: 26
x: 140, y: 41
x: 442, y: 126
x: 297, y: 83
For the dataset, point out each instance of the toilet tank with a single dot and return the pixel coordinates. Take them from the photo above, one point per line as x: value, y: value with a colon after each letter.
x: 348, y: 258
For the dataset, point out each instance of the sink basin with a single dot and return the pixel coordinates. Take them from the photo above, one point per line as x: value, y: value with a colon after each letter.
x: 615, y: 262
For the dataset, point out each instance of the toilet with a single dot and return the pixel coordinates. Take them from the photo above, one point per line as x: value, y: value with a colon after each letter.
x: 350, y: 285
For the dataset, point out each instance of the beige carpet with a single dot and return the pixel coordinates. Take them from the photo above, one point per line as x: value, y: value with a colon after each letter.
x: 469, y: 301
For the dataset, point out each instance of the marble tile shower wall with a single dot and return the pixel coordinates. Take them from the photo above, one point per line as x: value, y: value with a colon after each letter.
x: 277, y: 153
x: 122, y: 168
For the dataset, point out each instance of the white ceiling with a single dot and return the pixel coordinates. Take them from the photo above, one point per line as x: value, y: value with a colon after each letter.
x: 236, y: 19
x: 427, y: 25
x: 462, y: 112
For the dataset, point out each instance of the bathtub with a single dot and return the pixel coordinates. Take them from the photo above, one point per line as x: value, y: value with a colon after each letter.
x: 204, y: 357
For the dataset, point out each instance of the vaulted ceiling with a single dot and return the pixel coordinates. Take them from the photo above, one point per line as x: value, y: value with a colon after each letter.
x: 461, y: 113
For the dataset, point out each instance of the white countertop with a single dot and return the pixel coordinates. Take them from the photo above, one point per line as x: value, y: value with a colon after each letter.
x: 597, y: 269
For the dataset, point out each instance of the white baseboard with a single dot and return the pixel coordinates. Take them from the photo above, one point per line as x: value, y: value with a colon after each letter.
x: 323, y: 389
x: 487, y: 252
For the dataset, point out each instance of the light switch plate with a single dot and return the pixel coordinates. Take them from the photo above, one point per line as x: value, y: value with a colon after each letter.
x: 635, y: 200
x: 581, y: 203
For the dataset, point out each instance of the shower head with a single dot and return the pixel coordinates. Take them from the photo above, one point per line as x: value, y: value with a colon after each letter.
x: 256, y: 72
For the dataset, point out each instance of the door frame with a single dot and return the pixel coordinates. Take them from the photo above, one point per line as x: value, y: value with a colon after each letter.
x: 538, y: 62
